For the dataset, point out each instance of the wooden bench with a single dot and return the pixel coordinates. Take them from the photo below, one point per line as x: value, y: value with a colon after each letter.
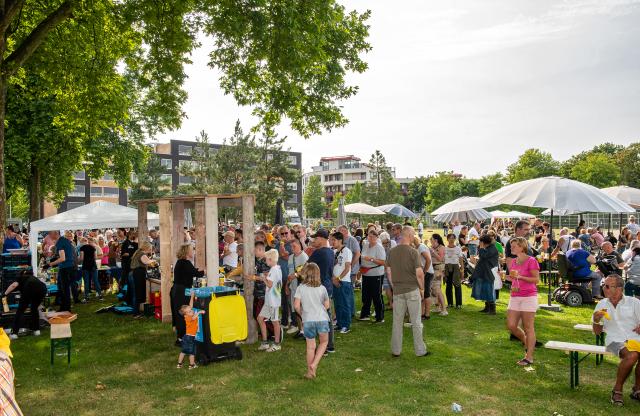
x: 599, y: 339
x: 574, y: 360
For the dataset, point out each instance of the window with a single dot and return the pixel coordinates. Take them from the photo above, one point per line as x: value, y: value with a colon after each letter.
x: 167, y: 177
x: 186, y: 180
x: 110, y: 191
x: 184, y: 150
x: 78, y: 175
x: 293, y: 186
x: 187, y: 164
x: 107, y: 177
x: 166, y: 163
x: 74, y: 205
x: 78, y: 190
x: 293, y: 160
x: 293, y: 199
x: 96, y: 191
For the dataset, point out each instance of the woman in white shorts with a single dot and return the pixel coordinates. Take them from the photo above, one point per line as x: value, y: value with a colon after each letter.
x: 524, y: 274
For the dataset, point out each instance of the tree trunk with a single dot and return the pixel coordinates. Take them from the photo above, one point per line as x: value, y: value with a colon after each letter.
x: 34, y: 193
x: 3, y: 191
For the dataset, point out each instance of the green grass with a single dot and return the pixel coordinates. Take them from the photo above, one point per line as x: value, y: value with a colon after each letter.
x: 473, y: 364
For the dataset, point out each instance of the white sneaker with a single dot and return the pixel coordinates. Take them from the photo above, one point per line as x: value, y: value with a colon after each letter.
x: 274, y: 348
x: 7, y: 331
x: 345, y: 330
x: 292, y: 330
x: 36, y: 333
x: 407, y: 324
x: 13, y: 337
x: 264, y: 346
x: 444, y: 313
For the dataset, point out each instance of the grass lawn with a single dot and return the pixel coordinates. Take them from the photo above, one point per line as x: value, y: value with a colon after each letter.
x: 473, y: 363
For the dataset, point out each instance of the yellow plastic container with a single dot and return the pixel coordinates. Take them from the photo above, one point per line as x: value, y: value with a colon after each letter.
x: 228, y: 319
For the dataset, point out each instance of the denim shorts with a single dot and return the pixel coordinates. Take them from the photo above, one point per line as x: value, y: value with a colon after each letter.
x: 313, y: 328
x: 189, y: 345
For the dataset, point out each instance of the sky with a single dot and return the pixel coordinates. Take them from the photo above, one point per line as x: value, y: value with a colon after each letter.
x: 467, y: 85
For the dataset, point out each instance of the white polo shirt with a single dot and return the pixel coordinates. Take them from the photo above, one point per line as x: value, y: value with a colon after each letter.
x: 231, y: 259
x: 624, y: 319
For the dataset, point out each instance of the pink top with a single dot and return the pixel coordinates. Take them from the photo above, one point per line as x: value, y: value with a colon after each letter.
x: 105, y: 256
x: 524, y: 269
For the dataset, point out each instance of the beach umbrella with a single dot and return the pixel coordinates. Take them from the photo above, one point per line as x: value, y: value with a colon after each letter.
x: 398, y: 210
x: 625, y: 193
x: 470, y: 215
x: 464, y: 203
x: 556, y: 193
x: 279, y: 217
x: 560, y: 212
x: 342, y: 216
x: 362, y: 209
x: 518, y: 214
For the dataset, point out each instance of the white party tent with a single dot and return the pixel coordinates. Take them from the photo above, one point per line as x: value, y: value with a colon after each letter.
x: 99, y: 214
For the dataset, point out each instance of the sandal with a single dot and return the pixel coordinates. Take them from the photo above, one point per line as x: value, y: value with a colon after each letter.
x: 635, y: 393
x: 616, y: 398
x: 524, y: 362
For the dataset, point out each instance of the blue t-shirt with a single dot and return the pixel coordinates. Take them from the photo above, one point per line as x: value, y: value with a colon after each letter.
x: 578, y: 259
x: 586, y: 241
x: 64, y: 244
x: 10, y: 244
x: 323, y: 257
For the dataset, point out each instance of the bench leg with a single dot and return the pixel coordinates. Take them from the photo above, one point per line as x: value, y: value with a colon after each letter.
x: 600, y: 342
x: 69, y: 351
x: 52, y: 351
x: 576, y: 372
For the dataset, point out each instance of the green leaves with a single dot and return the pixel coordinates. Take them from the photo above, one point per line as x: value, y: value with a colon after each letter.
x: 383, y: 188
x: 312, y: 199
x: 533, y: 163
x: 288, y: 58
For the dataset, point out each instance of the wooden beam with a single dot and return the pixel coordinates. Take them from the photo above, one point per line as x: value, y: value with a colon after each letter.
x: 189, y: 198
x: 177, y: 229
x: 248, y: 263
x: 166, y: 258
x: 201, y: 248
x: 230, y: 203
x: 211, y: 238
x: 143, y: 235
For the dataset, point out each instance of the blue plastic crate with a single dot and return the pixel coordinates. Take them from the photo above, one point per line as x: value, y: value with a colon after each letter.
x: 206, y: 292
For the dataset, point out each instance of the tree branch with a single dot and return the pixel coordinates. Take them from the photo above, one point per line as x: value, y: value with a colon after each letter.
x: 11, y: 9
x: 36, y: 37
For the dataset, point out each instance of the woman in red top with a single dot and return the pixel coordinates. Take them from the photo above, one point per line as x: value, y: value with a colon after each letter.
x: 524, y: 274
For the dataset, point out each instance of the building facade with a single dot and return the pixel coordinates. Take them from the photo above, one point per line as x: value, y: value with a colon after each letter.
x: 172, y: 156
x: 338, y: 174
x: 179, y: 152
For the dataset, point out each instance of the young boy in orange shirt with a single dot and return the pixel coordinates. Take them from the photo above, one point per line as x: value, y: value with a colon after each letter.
x: 189, y: 339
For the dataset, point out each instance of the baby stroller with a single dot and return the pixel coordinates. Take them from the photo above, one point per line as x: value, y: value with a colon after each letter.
x: 572, y: 292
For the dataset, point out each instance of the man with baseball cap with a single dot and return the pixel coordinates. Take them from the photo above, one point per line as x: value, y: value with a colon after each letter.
x: 323, y: 257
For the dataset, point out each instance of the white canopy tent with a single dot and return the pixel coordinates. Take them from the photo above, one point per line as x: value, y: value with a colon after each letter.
x: 99, y: 214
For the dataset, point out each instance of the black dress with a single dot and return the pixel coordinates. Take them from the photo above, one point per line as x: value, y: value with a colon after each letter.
x: 183, y: 274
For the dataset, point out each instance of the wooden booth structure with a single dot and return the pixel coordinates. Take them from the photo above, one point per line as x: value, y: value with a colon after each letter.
x: 205, y: 220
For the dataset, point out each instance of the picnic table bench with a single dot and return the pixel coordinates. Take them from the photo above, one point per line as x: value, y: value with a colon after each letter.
x: 574, y: 360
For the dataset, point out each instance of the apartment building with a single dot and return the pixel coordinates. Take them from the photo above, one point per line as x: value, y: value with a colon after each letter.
x: 341, y: 173
x: 172, y: 156
x: 179, y: 152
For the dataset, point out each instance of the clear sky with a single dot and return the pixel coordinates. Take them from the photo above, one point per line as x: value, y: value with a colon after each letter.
x: 468, y: 85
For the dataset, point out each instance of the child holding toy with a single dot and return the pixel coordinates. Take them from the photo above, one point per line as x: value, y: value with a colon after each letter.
x: 189, y: 338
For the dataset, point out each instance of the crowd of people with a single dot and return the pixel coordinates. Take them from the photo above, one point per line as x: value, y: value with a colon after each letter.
x: 305, y: 280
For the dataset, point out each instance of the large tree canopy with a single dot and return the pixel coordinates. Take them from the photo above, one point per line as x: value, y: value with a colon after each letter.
x: 112, y: 72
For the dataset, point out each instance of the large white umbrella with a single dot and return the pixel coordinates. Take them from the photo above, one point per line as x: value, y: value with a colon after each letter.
x: 463, y: 209
x: 498, y: 214
x: 559, y: 212
x: 518, y: 214
x: 625, y: 193
x: 556, y: 193
x: 362, y: 209
x: 397, y: 210
x: 464, y: 203
x: 471, y: 215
